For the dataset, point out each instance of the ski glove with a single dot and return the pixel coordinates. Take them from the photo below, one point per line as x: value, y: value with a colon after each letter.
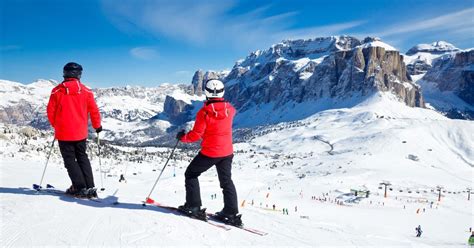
x: 98, y: 130
x: 180, y: 134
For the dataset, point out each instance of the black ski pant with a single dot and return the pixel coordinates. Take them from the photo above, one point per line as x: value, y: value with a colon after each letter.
x: 202, y: 163
x: 77, y: 163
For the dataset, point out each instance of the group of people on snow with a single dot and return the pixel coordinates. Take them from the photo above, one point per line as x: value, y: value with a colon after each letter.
x: 71, y: 104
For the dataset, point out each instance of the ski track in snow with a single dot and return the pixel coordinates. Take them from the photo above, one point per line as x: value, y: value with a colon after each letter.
x: 331, y: 146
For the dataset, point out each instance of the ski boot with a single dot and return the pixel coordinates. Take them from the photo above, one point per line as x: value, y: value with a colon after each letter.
x: 82, y: 193
x: 92, y: 193
x: 72, y: 190
x: 229, y: 219
x: 193, y: 212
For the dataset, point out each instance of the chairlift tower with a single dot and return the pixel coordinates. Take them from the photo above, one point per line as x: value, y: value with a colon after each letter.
x: 386, y: 184
x: 439, y: 188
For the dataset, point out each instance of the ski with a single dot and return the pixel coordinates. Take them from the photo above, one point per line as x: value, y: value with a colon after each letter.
x: 211, y: 219
x: 51, y: 189
x: 251, y: 230
x: 175, y: 209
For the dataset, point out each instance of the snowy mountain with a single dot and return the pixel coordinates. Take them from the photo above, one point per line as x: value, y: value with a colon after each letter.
x: 313, y: 75
x: 437, y: 47
x: 289, y: 81
x: 419, y: 58
x: 21, y: 104
x: 449, y: 85
x: 136, y: 115
x: 445, y: 74
x: 312, y: 167
x: 131, y: 114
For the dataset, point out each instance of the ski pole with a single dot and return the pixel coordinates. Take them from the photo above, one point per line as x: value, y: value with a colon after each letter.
x: 38, y: 187
x: 100, y: 164
x: 151, y: 191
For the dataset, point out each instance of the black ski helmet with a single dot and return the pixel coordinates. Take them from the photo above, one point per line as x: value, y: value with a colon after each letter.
x: 72, y: 70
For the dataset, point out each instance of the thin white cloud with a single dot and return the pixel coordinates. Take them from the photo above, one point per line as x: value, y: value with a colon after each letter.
x: 446, y: 23
x: 144, y: 53
x: 189, y: 20
x: 209, y: 22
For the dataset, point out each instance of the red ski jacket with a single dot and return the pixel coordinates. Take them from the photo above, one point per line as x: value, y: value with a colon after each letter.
x: 214, y: 126
x: 69, y: 107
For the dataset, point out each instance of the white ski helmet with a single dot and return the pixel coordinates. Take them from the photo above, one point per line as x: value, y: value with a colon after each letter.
x: 214, y: 88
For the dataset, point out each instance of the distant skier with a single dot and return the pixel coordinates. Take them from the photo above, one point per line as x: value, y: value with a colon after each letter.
x: 69, y: 107
x: 122, y: 179
x: 214, y: 126
x: 418, y: 231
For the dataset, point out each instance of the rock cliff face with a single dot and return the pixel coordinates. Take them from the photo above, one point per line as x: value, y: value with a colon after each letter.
x: 176, y: 110
x: 365, y: 70
x: 197, y: 82
x: 454, y: 75
x: 334, y: 68
x: 444, y: 72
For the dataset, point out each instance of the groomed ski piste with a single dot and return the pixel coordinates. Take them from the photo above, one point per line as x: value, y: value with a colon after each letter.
x: 308, y: 166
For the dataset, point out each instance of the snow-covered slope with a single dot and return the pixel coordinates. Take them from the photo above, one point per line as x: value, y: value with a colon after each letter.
x: 307, y: 166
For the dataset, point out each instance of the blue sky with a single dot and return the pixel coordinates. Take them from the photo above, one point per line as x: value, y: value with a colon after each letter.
x: 151, y: 42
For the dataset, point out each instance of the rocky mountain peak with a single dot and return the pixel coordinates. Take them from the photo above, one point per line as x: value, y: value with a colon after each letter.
x: 420, y: 58
x: 370, y: 39
x: 315, y: 70
x: 300, y: 48
x: 437, y: 47
x: 376, y: 42
x: 43, y: 83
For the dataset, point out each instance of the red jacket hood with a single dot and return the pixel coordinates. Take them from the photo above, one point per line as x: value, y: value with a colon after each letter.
x: 217, y: 108
x: 71, y: 86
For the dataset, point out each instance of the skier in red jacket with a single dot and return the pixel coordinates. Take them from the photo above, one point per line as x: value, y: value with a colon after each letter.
x: 69, y: 107
x: 213, y: 126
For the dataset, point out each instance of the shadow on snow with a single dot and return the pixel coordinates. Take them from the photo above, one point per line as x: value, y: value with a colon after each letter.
x: 110, y: 201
